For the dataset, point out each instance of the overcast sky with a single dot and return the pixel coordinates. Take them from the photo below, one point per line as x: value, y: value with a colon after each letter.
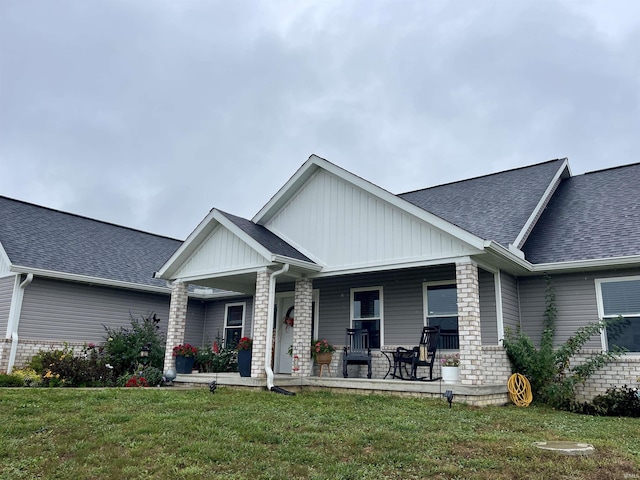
x: 149, y: 113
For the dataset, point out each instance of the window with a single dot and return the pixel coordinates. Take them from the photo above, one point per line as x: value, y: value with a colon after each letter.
x: 233, y: 323
x: 441, y: 310
x: 366, y: 312
x: 621, y: 297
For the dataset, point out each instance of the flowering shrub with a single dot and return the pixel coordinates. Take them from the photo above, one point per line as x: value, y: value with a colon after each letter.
x: 186, y: 350
x: 29, y: 376
x: 245, y: 343
x: 122, y: 345
x: 321, y: 346
x: 64, y: 368
x: 451, y: 360
x: 136, y: 381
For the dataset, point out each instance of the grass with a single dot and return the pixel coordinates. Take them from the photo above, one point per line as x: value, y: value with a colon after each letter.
x: 180, y: 434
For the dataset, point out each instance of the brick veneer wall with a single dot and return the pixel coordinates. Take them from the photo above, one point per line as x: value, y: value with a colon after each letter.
x: 177, y: 321
x: 626, y: 370
x: 495, y: 365
x: 28, y: 348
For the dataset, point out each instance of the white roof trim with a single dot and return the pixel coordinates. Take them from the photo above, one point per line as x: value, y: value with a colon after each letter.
x: 546, y: 196
x: 74, y: 277
x: 314, y: 162
x: 612, y: 262
x: 3, y: 255
x: 204, y: 229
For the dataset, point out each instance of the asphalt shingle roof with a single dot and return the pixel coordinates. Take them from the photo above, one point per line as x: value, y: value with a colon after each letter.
x: 39, y: 237
x: 595, y: 215
x: 266, y: 238
x: 492, y: 207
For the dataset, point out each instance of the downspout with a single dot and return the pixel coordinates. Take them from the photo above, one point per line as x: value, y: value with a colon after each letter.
x: 14, y: 320
x: 270, y: 304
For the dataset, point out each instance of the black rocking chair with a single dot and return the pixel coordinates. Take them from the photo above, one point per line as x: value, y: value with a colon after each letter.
x: 423, y: 355
x: 357, y: 350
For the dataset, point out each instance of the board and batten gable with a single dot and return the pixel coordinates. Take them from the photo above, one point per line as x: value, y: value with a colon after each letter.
x: 221, y: 251
x: 343, y: 226
x: 4, y: 263
x: 70, y: 311
x: 6, y: 294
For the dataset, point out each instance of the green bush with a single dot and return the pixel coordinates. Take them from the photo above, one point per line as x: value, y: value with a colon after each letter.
x: 616, y: 402
x: 152, y: 375
x: 64, y: 368
x: 548, y: 369
x: 224, y: 360
x: 30, y: 378
x: 10, y: 380
x: 123, y: 345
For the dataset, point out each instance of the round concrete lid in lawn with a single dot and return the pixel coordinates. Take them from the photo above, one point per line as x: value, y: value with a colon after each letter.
x: 566, y: 448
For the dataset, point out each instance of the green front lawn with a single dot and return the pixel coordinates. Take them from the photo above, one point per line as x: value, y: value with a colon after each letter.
x: 179, y: 434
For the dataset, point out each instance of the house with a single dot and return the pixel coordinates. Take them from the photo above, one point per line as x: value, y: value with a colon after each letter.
x: 333, y: 251
x: 63, y: 276
x: 469, y: 256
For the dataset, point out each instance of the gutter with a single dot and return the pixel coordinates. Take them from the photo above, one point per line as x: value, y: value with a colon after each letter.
x: 14, y: 318
x: 270, y: 304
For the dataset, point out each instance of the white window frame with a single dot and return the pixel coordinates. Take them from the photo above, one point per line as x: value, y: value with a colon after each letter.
x: 600, y: 305
x: 226, y: 318
x: 381, y: 319
x: 425, y: 302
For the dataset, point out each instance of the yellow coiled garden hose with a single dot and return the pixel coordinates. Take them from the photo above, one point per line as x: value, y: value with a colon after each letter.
x: 519, y: 390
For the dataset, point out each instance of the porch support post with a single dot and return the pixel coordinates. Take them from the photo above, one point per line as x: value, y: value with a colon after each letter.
x: 260, y: 316
x: 302, y: 332
x: 177, y: 321
x: 469, y: 323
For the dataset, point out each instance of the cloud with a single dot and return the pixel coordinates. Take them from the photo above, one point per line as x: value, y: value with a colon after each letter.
x: 148, y: 114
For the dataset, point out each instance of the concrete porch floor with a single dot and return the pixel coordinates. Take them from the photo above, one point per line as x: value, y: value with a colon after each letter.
x: 472, y: 395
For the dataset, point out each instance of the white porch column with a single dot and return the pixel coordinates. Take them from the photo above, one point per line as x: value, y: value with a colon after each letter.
x: 469, y: 324
x: 302, y: 332
x: 260, y: 316
x: 177, y: 321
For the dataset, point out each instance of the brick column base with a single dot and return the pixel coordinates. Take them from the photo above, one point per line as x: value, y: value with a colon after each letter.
x: 177, y: 322
x: 469, y: 324
x: 260, y: 317
x: 302, y: 332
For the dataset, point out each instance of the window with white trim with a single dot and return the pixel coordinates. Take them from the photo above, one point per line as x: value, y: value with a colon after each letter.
x: 621, y: 297
x: 441, y: 310
x: 366, y: 312
x: 233, y: 323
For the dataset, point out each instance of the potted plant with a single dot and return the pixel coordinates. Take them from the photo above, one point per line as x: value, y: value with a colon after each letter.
x: 185, y: 357
x: 244, y: 356
x: 322, y: 351
x: 450, y: 368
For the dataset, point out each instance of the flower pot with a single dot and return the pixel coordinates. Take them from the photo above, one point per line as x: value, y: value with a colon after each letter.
x: 450, y: 374
x: 244, y: 363
x: 324, y: 358
x: 184, y: 364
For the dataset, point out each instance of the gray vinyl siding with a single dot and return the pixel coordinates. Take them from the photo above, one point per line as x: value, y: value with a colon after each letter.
x: 402, y: 302
x: 194, y: 328
x: 6, y: 293
x: 488, y: 313
x: 58, y: 310
x: 575, y: 301
x: 214, y: 318
x: 510, y: 307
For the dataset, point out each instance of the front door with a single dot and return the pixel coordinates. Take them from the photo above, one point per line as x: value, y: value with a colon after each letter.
x: 284, y: 332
